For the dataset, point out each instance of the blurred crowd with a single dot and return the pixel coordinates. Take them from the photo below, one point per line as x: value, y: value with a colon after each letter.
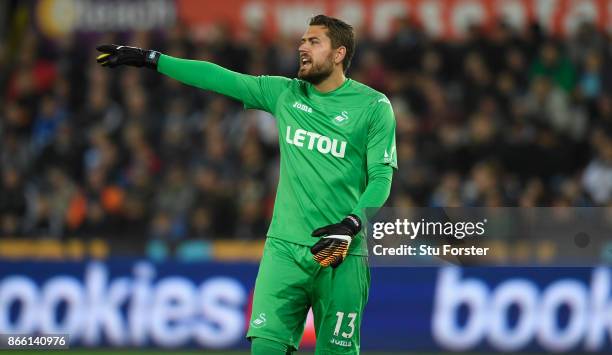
x: 498, y: 118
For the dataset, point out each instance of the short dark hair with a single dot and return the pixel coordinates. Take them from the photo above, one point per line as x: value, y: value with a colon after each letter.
x: 340, y: 33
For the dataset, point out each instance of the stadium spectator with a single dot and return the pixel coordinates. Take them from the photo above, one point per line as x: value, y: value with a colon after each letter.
x: 598, y: 174
x: 12, y: 202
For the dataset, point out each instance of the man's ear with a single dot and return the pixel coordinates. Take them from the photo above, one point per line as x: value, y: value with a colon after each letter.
x: 340, y: 54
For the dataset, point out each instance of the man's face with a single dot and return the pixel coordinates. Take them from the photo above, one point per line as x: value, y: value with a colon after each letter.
x: 316, y: 55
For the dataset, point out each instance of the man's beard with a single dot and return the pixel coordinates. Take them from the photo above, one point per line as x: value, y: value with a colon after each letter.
x: 318, y: 72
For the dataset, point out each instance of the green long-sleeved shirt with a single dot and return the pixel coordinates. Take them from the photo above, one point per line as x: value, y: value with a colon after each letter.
x: 337, y: 148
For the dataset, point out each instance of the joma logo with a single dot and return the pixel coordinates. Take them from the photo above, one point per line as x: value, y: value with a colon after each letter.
x: 302, y: 107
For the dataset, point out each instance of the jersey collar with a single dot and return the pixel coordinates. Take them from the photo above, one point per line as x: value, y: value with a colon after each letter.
x: 312, y: 90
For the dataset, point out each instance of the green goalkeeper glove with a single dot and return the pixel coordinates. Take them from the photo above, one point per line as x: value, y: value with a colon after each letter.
x: 114, y: 55
x: 335, y: 240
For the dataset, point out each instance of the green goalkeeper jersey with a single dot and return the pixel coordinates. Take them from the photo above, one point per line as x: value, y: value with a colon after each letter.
x: 330, y: 144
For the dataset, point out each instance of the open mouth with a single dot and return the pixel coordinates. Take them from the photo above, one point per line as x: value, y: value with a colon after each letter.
x: 305, y: 61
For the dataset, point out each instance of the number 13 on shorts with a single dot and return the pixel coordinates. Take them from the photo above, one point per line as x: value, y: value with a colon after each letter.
x: 350, y: 326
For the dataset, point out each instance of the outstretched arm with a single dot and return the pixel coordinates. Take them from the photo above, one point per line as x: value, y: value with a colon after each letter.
x: 259, y: 92
x: 210, y: 76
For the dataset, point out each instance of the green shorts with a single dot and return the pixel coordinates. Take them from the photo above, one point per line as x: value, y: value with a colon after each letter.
x: 290, y: 282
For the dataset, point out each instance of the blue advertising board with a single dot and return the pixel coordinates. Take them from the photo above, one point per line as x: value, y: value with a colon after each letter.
x: 489, y: 309
x: 125, y: 303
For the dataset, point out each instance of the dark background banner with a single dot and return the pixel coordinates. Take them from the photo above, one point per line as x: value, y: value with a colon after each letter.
x: 446, y: 19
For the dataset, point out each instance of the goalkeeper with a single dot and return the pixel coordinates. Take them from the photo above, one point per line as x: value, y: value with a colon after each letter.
x: 337, y: 148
